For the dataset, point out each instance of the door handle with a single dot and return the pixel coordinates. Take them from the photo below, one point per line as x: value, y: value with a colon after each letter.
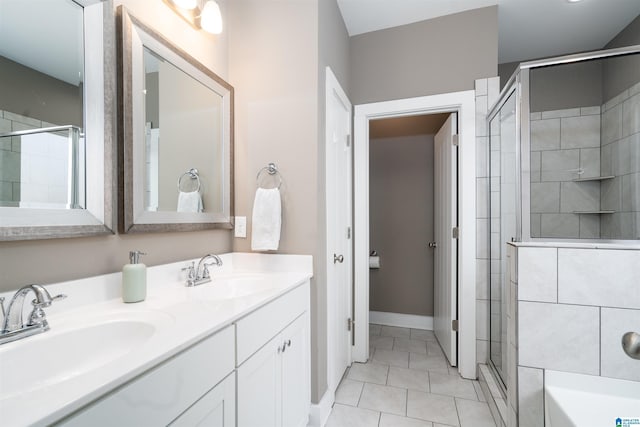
x: 338, y: 258
x: 433, y: 245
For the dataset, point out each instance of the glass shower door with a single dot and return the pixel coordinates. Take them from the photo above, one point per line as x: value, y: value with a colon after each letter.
x: 502, y: 225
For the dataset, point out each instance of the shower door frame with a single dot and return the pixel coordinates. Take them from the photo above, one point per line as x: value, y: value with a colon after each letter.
x: 519, y: 82
x: 513, y: 87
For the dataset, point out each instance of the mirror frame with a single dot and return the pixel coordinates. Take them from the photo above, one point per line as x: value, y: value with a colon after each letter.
x: 131, y: 34
x: 99, y: 124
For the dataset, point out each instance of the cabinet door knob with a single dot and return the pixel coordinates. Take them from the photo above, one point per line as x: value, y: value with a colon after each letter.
x: 338, y: 258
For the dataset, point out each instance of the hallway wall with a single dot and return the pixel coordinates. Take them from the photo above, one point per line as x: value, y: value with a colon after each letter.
x: 401, y: 224
x: 439, y: 55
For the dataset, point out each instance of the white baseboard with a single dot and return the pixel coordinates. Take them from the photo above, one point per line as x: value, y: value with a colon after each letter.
x: 401, y: 320
x: 319, y: 413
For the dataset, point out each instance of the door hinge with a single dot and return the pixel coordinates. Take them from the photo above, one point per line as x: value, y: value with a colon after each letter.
x: 455, y: 233
x: 455, y: 140
x: 454, y: 325
x: 348, y: 232
x: 348, y: 140
x: 349, y: 324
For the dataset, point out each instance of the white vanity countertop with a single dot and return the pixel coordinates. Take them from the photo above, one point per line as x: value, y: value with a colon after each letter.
x: 182, y: 316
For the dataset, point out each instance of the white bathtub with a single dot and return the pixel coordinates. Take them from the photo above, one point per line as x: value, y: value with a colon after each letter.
x: 590, y: 401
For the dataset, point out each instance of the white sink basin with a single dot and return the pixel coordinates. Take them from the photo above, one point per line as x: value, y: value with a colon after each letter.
x: 234, y: 286
x: 63, y: 352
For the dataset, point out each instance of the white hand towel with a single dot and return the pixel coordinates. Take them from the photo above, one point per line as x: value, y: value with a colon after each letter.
x: 189, y: 202
x: 267, y: 220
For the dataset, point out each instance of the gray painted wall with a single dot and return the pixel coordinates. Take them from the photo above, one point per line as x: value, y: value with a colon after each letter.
x: 33, y: 94
x: 561, y: 86
x: 401, y: 224
x: 505, y: 70
x: 566, y: 86
x: 273, y: 64
x: 622, y: 73
x: 152, y: 99
x: 439, y: 55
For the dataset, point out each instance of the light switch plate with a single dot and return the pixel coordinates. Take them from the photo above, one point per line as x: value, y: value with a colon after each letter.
x: 241, y: 226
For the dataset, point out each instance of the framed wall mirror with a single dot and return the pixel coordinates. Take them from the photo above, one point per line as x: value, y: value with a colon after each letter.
x: 57, y: 124
x: 175, y: 134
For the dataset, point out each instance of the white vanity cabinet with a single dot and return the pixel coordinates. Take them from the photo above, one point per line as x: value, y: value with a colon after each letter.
x: 195, y: 385
x: 273, y: 363
x: 253, y: 373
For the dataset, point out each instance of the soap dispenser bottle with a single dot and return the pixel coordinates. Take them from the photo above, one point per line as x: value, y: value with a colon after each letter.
x: 134, y: 279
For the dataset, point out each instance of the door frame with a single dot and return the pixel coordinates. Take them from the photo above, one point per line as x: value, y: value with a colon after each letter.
x: 334, y: 89
x: 464, y: 104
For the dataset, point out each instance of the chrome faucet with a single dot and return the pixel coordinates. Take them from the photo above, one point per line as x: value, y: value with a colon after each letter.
x: 200, y: 274
x: 13, y: 326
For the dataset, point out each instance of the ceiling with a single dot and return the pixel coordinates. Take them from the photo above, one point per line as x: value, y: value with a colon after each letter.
x: 527, y: 29
x: 394, y: 127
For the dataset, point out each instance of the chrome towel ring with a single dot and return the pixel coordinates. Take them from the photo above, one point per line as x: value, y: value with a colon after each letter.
x: 193, y: 174
x: 272, y: 170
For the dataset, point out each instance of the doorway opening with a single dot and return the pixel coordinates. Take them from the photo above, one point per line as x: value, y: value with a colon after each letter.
x: 401, y: 220
x: 411, y: 203
x: 461, y: 190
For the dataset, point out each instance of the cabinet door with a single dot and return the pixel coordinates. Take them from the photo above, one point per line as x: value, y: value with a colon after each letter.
x: 217, y: 408
x: 260, y: 387
x: 296, y: 398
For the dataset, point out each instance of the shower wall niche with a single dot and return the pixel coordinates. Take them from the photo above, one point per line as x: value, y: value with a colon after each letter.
x: 584, y: 149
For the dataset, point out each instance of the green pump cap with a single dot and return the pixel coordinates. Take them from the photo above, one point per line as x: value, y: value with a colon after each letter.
x: 134, y: 256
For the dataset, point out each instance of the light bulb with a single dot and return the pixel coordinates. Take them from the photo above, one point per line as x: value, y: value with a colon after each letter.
x: 186, y: 4
x: 211, y: 18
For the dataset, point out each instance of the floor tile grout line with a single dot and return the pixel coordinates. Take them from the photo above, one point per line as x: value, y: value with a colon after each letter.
x: 455, y: 403
x: 360, y: 394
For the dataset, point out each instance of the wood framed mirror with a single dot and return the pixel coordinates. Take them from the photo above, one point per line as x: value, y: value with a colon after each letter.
x: 175, y: 136
x: 57, y: 119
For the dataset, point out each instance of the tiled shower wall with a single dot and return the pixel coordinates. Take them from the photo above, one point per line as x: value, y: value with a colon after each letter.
x: 620, y: 156
x: 595, y: 141
x: 565, y: 145
x: 487, y: 91
x: 27, y: 172
x: 572, y: 306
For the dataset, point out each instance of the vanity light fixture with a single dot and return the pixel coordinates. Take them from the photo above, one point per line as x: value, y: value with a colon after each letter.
x: 211, y: 18
x: 201, y: 14
x: 573, y: 1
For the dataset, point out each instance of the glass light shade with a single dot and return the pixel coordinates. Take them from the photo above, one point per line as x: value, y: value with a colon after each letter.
x: 186, y: 4
x: 211, y: 18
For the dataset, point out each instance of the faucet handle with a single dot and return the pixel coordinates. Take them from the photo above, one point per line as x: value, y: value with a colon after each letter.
x: 38, y: 316
x: 190, y: 269
x: 47, y: 302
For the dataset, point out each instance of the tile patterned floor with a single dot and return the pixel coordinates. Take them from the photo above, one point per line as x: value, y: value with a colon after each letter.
x: 407, y: 382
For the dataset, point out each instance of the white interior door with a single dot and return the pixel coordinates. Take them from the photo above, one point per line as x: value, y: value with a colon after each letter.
x: 339, y: 218
x: 446, y: 218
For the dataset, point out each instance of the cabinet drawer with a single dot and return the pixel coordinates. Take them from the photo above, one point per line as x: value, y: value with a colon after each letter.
x: 257, y: 328
x: 160, y: 395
